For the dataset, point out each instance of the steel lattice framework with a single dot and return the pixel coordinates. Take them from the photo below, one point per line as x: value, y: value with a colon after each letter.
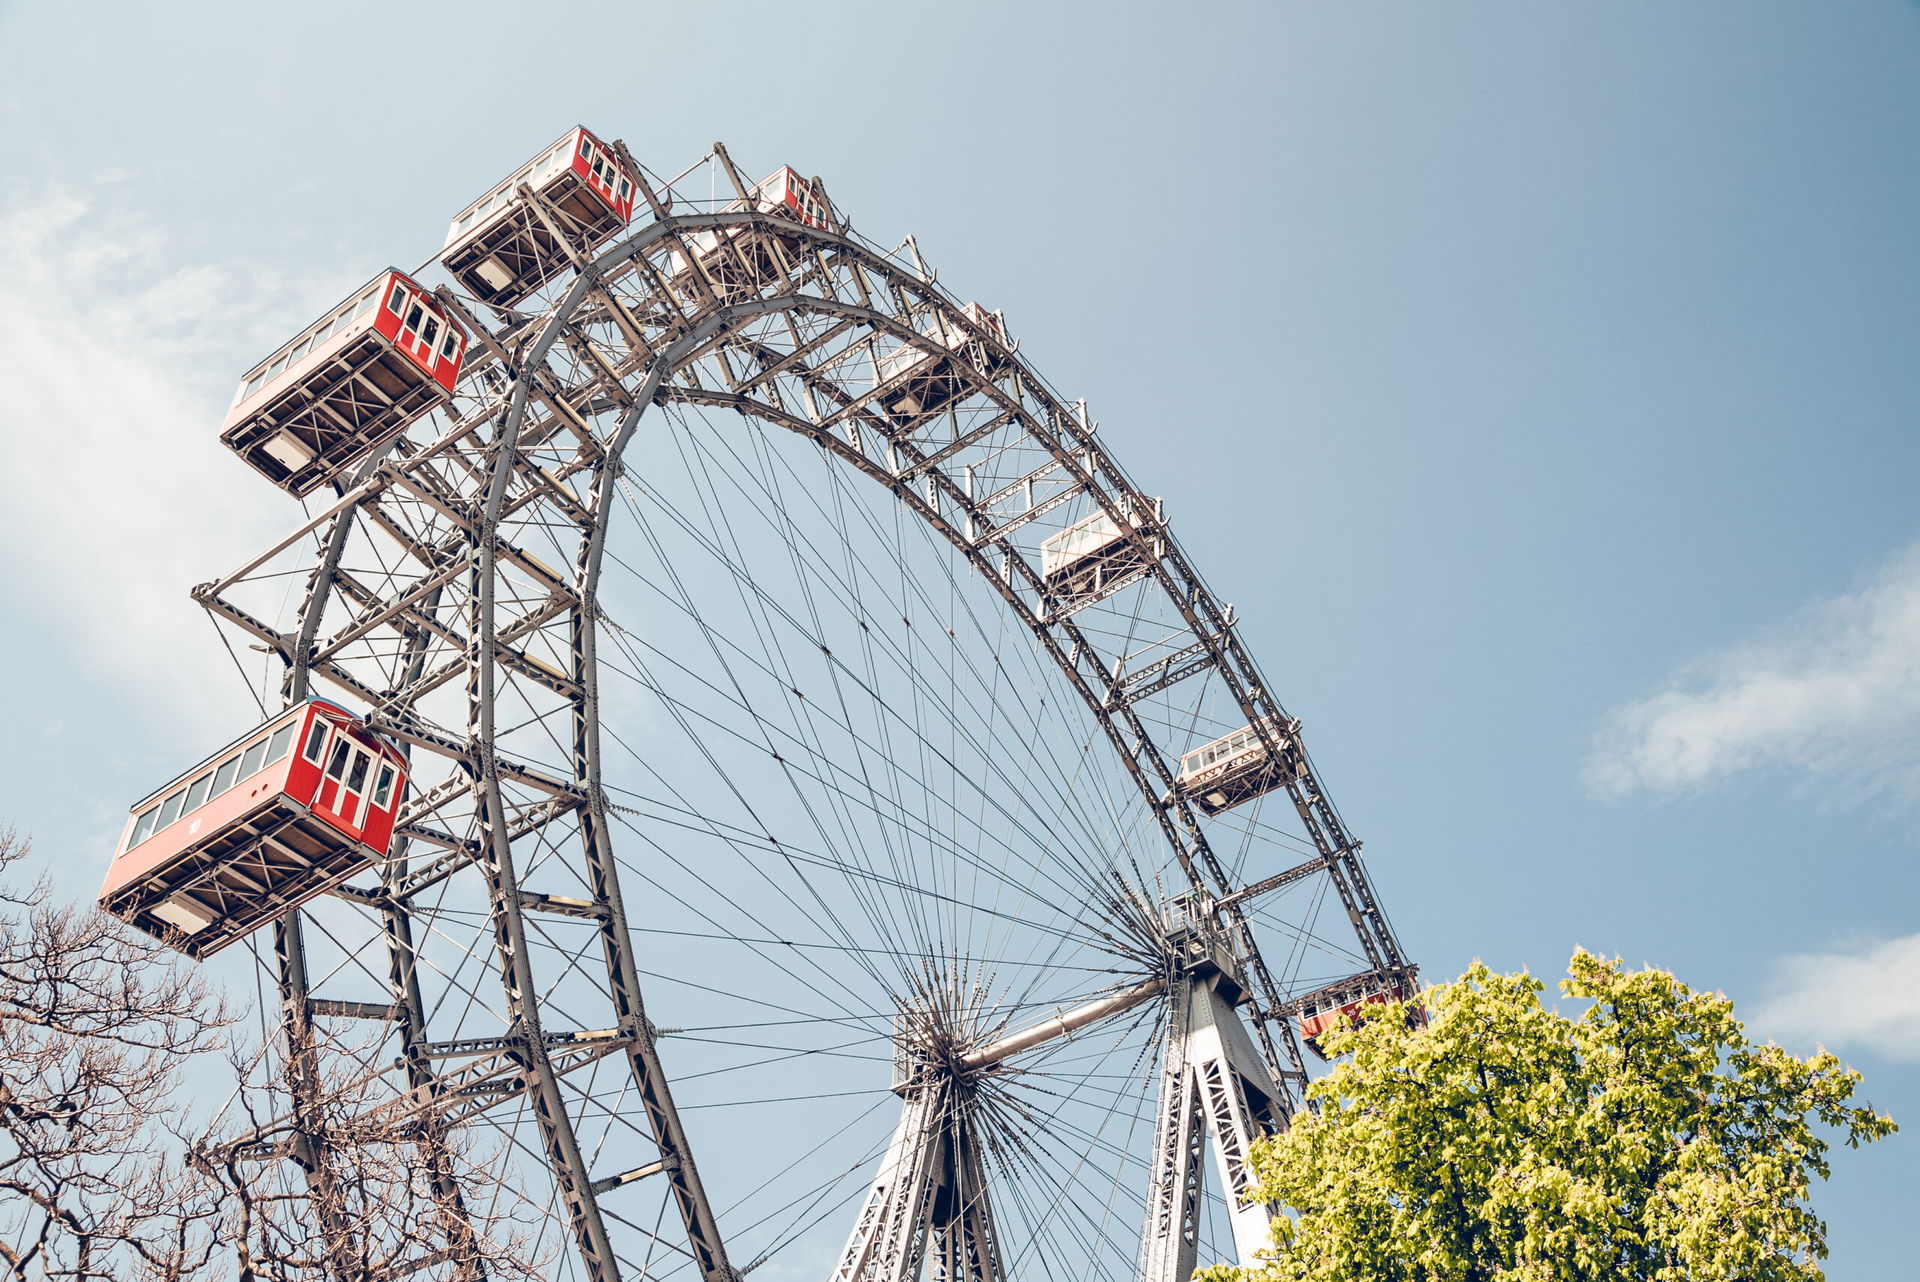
x: 452, y: 586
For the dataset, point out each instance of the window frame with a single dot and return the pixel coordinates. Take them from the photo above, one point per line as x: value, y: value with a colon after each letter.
x: 381, y: 798
x: 143, y: 826
x: 170, y: 810
x: 246, y: 755
x: 357, y: 771
x: 197, y: 793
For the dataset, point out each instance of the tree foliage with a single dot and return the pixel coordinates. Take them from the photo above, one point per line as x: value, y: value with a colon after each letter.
x: 1646, y: 1138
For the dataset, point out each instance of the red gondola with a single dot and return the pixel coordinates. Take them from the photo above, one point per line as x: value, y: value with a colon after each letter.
x: 283, y: 813
x: 1319, y: 1010
x: 736, y: 260
x: 786, y: 193
x: 348, y: 383
x: 500, y: 250
x: 1097, y: 556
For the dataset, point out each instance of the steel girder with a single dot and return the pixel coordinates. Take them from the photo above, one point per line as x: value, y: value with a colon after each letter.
x: 1216, y: 1092
x: 929, y: 1202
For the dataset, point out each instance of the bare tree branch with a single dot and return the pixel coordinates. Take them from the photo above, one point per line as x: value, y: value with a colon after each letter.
x: 101, y: 1177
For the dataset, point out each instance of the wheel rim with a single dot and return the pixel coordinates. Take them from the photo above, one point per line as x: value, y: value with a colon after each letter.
x: 470, y: 589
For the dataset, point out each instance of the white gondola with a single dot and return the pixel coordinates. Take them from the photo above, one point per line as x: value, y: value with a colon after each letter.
x: 1237, y: 767
x: 1098, y: 555
x: 922, y: 378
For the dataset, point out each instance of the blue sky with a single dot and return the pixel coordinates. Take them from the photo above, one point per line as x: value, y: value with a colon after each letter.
x: 1537, y: 380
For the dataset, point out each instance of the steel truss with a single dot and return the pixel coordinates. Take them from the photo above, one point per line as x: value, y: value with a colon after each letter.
x: 1214, y: 1088
x: 930, y: 1199
x: 425, y: 598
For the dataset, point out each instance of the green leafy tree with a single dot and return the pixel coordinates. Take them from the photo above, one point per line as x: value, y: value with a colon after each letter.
x: 1504, y: 1142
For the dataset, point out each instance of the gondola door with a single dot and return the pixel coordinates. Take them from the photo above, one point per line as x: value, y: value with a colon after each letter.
x: 418, y: 333
x: 343, y: 786
x: 419, y: 327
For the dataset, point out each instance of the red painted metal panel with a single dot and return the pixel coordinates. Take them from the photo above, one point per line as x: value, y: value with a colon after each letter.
x: 303, y: 776
x: 387, y: 320
x: 326, y: 796
x: 604, y: 184
x: 784, y: 190
x: 420, y: 330
x: 292, y: 776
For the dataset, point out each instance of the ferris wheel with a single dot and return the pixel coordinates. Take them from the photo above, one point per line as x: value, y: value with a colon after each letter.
x: 695, y: 597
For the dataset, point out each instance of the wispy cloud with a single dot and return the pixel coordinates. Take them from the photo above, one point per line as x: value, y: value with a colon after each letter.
x: 1835, y: 693
x: 116, y: 361
x: 1867, y: 999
